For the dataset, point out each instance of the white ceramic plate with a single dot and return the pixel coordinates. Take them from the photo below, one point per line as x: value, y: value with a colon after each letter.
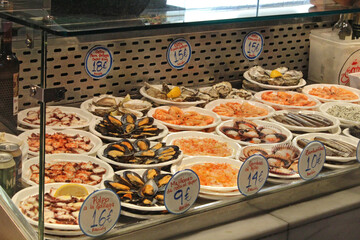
x: 202, y: 111
x: 334, y: 120
x: 137, y: 207
x: 167, y: 102
x: 272, y: 125
x: 34, y: 190
x: 97, y: 143
x: 188, y: 162
x: 340, y: 166
x: 169, y: 139
x: 114, y: 139
x: 88, y: 117
x: 348, y: 140
x: 100, y: 154
x: 211, y: 105
x: 77, y: 158
x: 219, y: 197
x: 308, y: 88
x: 335, y: 131
x: 301, y: 83
x: 346, y: 132
x: 61, y: 232
x: 280, y: 106
x: 282, y: 180
x: 24, y: 147
x: 344, y: 122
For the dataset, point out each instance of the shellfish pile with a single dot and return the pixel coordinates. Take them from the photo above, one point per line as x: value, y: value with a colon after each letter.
x: 248, y: 131
x: 140, y: 152
x: 128, y: 126
x: 281, y: 76
x: 303, y: 119
x: 283, y: 158
x: 145, y: 190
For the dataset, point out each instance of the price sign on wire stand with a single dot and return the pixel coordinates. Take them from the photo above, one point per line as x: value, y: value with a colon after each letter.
x: 98, y: 62
x: 311, y: 160
x: 253, y: 45
x: 181, y: 191
x: 179, y: 53
x: 358, y: 152
x: 99, y: 212
x: 253, y: 174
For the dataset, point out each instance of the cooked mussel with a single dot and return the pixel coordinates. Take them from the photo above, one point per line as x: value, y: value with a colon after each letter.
x: 147, y: 153
x: 116, y: 186
x: 142, y: 144
x: 167, y: 153
x: 149, y: 189
x: 157, y: 146
x: 128, y: 118
x: 146, y: 121
x: 161, y: 181
x: 131, y: 197
x: 119, y: 151
x: 114, y: 120
x: 128, y: 128
x: 151, y: 174
x: 134, y: 178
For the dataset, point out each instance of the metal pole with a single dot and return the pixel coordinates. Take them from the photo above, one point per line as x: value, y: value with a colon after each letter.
x: 42, y: 136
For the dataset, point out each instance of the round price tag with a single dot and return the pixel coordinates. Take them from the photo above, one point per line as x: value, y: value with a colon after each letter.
x: 311, y: 160
x: 253, y: 174
x: 99, y: 212
x: 358, y: 152
x: 179, y: 53
x: 181, y: 191
x: 98, y: 62
x: 253, y: 45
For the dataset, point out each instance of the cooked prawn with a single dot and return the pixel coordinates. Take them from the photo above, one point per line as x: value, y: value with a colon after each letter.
x: 177, y: 116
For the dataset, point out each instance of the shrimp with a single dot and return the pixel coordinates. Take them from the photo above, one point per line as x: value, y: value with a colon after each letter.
x: 176, y: 112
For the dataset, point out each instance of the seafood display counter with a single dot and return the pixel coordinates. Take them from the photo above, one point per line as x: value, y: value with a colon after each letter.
x: 134, y: 140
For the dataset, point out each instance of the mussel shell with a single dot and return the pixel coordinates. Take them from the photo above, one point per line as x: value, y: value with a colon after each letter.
x: 147, y: 202
x: 116, y: 186
x: 114, y: 121
x: 128, y: 118
x: 167, y: 153
x: 128, y: 128
x: 157, y: 146
x: 127, y: 143
x: 149, y: 189
x: 134, y: 178
x: 150, y: 161
x: 151, y: 173
x: 146, y: 121
x: 145, y: 154
x: 132, y: 197
x: 162, y: 180
x: 142, y: 144
x: 102, y: 129
x: 118, y: 152
x: 159, y: 197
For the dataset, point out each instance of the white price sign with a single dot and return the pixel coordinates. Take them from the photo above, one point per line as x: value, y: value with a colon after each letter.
x: 181, y: 191
x: 98, y: 62
x: 179, y: 53
x: 253, y: 174
x: 99, y: 212
x: 311, y: 160
x: 253, y: 45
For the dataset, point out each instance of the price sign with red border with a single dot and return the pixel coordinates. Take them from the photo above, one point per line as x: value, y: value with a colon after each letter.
x: 98, y: 62
x: 253, y: 174
x: 182, y: 191
x: 311, y: 160
x: 179, y: 53
x: 99, y: 212
x: 253, y: 45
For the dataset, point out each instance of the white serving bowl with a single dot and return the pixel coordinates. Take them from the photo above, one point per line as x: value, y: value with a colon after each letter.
x: 308, y: 88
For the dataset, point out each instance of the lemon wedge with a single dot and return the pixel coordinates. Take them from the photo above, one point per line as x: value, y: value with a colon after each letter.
x: 71, y: 189
x: 174, y: 93
x: 275, y: 74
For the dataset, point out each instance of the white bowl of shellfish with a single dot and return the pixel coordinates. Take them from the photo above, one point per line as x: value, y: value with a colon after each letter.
x: 305, y: 121
x: 345, y: 147
x: 57, y: 117
x: 246, y: 132
x: 69, y: 165
x: 211, y: 117
x: 26, y: 195
x: 218, y: 145
x: 347, y: 113
x: 320, y: 87
x: 232, y: 108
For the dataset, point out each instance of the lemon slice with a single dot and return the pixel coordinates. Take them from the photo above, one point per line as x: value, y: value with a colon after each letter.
x: 174, y: 93
x: 275, y: 74
x: 71, y: 189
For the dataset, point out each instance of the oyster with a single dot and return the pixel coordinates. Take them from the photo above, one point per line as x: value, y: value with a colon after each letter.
x: 285, y: 76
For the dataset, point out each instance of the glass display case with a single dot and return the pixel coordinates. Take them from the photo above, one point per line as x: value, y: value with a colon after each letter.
x: 53, y: 43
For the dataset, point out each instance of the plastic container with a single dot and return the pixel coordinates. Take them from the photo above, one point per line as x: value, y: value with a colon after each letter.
x: 332, y: 59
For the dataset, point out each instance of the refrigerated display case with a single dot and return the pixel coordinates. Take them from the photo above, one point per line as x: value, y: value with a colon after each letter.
x: 52, y: 47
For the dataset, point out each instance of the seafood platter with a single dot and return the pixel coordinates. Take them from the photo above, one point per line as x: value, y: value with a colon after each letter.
x: 218, y: 175
x: 287, y: 100
x: 140, y: 189
x: 117, y: 106
x: 246, y: 132
x: 191, y: 118
x: 113, y: 128
x: 305, y: 121
x: 56, y: 118
x: 283, y: 159
x: 62, y: 141
x: 68, y: 168
x: 181, y: 96
x: 193, y: 143
x: 234, y: 108
x: 332, y: 93
x: 347, y: 113
x: 140, y: 154
x: 280, y: 78
x: 61, y: 212
x: 340, y: 150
